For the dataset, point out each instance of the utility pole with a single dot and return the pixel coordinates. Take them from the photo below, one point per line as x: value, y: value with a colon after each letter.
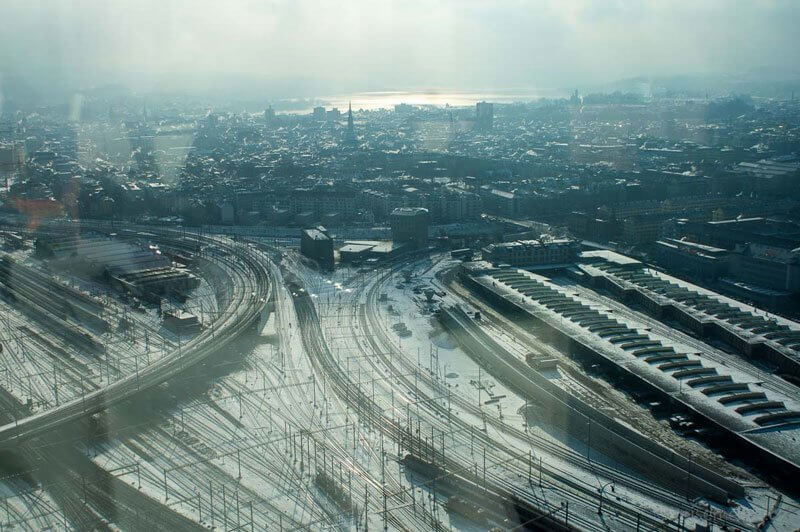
x: 211, y: 503
x: 530, y: 458
x: 385, y: 524
x: 479, y: 386
x: 540, y: 471
x: 366, y: 506
x: 484, y: 469
x: 689, y: 478
x: 588, y: 438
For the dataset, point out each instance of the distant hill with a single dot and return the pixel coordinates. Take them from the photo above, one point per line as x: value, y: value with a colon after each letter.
x: 764, y: 82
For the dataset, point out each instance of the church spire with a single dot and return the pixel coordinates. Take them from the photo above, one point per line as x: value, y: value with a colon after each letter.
x: 351, y: 132
x: 350, y: 118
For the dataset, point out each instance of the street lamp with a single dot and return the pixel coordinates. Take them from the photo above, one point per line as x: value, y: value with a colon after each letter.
x: 588, y: 439
x: 601, y: 490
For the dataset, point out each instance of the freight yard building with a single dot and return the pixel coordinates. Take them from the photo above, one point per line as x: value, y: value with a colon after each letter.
x: 143, y: 272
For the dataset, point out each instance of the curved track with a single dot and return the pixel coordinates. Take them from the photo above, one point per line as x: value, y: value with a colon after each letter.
x: 251, y: 286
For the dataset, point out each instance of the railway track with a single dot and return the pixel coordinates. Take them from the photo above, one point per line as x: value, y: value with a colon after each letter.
x: 374, y: 412
x: 89, y: 497
x: 510, y: 459
x: 588, y: 492
x: 352, y: 394
x: 252, y: 291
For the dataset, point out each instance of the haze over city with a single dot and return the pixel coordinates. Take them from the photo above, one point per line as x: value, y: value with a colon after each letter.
x: 287, y: 48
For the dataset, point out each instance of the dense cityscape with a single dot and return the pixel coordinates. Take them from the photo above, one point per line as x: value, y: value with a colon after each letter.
x: 654, y: 177
x: 565, y: 313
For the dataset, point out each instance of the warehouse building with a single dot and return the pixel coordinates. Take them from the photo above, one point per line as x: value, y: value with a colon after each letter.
x: 142, y: 272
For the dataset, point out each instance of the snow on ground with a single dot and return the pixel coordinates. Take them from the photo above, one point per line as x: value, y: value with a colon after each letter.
x: 28, y: 507
x: 239, y: 440
x: 34, y: 369
x: 462, y: 374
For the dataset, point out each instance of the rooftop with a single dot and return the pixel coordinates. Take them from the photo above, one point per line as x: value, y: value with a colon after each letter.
x: 409, y: 211
x: 316, y: 234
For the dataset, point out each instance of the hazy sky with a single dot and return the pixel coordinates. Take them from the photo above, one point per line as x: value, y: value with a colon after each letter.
x: 373, y: 44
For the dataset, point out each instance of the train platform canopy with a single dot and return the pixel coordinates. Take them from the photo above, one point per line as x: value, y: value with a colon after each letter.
x: 609, y: 256
x: 733, y: 399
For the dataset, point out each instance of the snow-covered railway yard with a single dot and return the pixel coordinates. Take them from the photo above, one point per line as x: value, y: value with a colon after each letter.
x: 313, y: 421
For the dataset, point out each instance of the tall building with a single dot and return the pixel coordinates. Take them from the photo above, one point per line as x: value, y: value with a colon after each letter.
x: 333, y: 115
x: 12, y: 160
x: 319, y: 114
x: 350, y: 135
x: 317, y: 245
x: 12, y: 156
x: 410, y: 224
x: 269, y: 115
x: 458, y: 205
x: 484, y: 117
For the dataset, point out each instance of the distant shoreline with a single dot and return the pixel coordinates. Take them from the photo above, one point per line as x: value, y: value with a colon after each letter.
x: 371, y: 101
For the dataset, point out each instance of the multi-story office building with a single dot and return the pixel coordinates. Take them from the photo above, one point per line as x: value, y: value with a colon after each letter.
x: 767, y: 266
x: 410, y: 224
x: 642, y: 229
x: 484, y: 115
x: 455, y: 206
x: 317, y: 245
x: 697, y: 260
x: 532, y: 252
x: 500, y: 202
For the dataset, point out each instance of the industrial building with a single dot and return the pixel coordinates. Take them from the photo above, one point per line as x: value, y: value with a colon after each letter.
x: 730, y: 233
x: 767, y: 266
x: 356, y: 251
x: 142, y: 272
x: 697, y: 260
x: 525, y: 253
x: 756, y: 259
x: 181, y: 322
x: 410, y: 224
x: 317, y: 245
